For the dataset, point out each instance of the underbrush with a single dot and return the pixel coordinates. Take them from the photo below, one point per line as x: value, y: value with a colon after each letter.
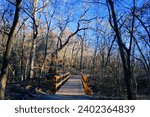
x: 28, y: 89
x: 112, y: 88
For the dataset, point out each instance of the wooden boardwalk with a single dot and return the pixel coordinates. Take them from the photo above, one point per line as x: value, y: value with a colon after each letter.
x: 71, y: 90
x: 72, y: 87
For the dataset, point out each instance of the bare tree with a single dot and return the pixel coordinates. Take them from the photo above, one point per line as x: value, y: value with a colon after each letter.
x: 124, y: 51
x: 6, y: 58
x: 49, y: 30
x: 61, y: 44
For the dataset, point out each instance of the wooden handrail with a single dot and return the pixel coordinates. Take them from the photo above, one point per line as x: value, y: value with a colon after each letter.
x: 60, y: 80
x: 85, y: 82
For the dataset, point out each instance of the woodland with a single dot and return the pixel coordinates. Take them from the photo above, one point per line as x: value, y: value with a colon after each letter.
x: 109, y: 40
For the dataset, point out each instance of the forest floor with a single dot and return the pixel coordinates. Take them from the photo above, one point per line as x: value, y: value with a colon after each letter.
x: 108, y: 89
x: 27, y: 90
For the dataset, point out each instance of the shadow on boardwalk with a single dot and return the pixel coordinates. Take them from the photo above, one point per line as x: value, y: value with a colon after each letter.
x: 63, y: 97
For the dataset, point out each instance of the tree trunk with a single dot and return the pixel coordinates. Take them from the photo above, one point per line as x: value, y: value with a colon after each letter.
x: 45, y: 55
x: 52, y: 69
x: 81, y: 56
x: 22, y: 58
x: 7, y: 54
x: 33, y: 48
x: 64, y: 60
x: 125, y: 56
x: 31, y: 60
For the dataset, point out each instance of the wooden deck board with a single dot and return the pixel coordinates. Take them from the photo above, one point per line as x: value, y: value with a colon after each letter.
x: 72, y: 87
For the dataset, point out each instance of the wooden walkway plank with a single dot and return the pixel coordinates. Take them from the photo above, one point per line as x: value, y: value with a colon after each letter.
x: 72, y: 87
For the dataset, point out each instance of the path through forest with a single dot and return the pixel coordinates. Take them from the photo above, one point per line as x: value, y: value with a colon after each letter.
x: 71, y: 90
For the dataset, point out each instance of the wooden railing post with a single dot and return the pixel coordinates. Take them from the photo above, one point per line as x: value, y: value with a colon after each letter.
x: 85, y: 81
x: 86, y: 87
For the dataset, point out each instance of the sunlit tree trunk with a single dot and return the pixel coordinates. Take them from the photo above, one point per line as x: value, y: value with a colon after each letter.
x: 22, y: 57
x: 35, y: 34
x: 81, y: 56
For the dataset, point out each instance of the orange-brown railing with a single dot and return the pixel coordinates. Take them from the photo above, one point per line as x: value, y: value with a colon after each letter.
x: 85, y: 82
x: 60, y: 80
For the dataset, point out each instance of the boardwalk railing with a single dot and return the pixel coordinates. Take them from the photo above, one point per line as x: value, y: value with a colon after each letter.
x: 60, y: 80
x: 85, y: 82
